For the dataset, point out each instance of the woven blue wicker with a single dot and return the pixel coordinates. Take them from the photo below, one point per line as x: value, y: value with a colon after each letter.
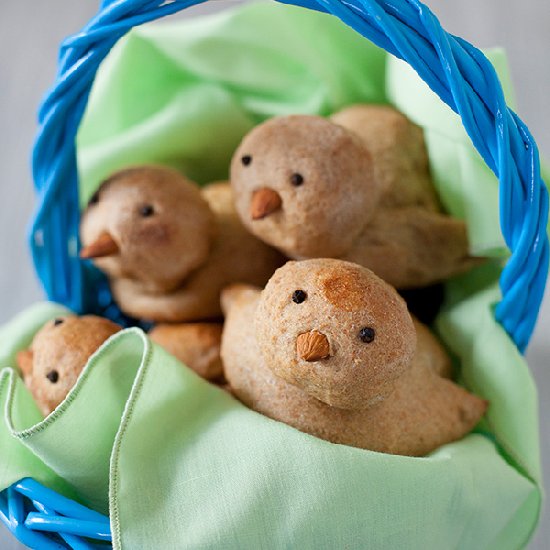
x: 457, y: 71
x: 41, y: 518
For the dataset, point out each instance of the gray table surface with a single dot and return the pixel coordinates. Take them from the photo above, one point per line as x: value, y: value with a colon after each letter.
x: 30, y: 32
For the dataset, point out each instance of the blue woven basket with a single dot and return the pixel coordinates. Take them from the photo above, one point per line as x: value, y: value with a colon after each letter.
x: 454, y: 69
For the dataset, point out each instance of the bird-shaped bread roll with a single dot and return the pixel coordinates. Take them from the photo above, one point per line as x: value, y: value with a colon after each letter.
x: 330, y: 349
x: 355, y: 187
x: 167, y: 247
x: 57, y: 355
x: 197, y: 345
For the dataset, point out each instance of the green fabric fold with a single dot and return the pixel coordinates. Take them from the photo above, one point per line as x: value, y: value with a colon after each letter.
x: 180, y: 463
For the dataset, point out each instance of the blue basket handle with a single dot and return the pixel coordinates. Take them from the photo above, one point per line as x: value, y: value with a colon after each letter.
x: 454, y: 69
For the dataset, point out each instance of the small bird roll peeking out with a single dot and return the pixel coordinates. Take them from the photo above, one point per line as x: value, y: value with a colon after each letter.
x: 197, y: 345
x: 61, y: 349
x: 355, y: 187
x: 167, y: 247
x: 58, y: 354
x: 333, y: 352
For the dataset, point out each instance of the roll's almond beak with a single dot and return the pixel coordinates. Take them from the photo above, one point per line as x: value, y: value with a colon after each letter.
x: 312, y: 346
x: 105, y: 245
x: 265, y: 201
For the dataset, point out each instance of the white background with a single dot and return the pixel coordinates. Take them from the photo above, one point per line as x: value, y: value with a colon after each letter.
x: 31, y: 30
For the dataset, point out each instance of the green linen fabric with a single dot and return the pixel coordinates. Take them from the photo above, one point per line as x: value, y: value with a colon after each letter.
x: 181, y: 464
x: 177, y: 462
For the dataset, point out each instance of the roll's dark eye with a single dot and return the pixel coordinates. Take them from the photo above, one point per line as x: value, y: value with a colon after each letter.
x: 296, y: 180
x: 94, y: 199
x: 58, y: 321
x: 53, y: 376
x: 146, y: 211
x: 299, y: 296
x: 246, y: 160
x: 366, y: 335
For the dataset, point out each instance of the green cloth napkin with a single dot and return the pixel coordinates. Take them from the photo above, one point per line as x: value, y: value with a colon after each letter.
x: 180, y: 464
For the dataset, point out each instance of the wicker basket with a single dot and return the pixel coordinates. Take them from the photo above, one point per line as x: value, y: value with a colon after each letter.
x: 454, y: 69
